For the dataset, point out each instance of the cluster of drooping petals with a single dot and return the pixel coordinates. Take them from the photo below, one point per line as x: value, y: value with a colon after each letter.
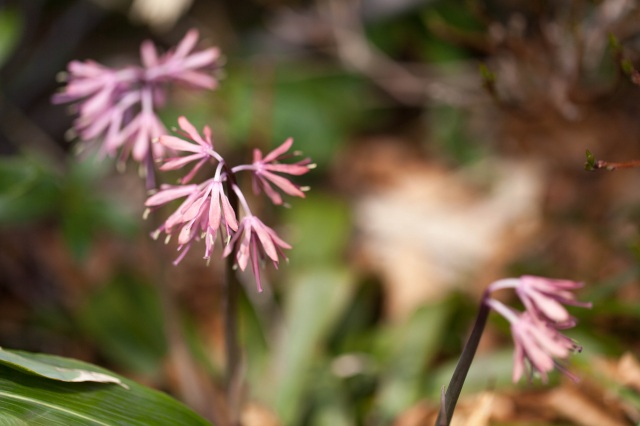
x: 545, y: 298
x: 539, y: 342
x: 255, y: 242
x: 268, y: 170
x: 118, y: 107
x: 206, y: 210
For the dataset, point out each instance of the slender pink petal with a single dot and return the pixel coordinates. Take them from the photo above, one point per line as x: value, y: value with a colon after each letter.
x: 277, y: 240
x: 187, y: 233
x: 201, y: 59
x: 273, y: 155
x: 148, y: 54
x: 257, y: 156
x: 198, y: 79
x: 215, y: 211
x: 266, y: 187
x: 290, y: 169
x: 518, y: 362
x: 179, y: 162
x: 191, y: 131
x: 284, y: 184
x: 178, y: 144
x: 187, y: 178
x: 265, y: 240
x: 229, y: 214
x: 187, y: 43
x: 551, y: 308
x: 196, y: 208
x: 169, y: 193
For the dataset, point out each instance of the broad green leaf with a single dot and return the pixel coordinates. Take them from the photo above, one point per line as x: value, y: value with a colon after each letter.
x: 315, y: 301
x: 413, y: 345
x: 52, y: 371
x: 28, y: 399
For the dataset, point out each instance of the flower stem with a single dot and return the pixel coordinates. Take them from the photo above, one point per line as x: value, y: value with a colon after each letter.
x: 462, y: 368
x: 231, y: 286
x: 612, y: 165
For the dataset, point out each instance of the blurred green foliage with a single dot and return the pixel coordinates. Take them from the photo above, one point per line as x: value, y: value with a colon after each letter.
x: 124, y: 320
x: 11, y: 27
x: 31, y: 189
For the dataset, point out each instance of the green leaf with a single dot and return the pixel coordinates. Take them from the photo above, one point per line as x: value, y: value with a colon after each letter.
x: 591, y: 162
x: 316, y: 300
x: 34, y: 400
x: 488, y: 76
x: 52, y: 371
x: 28, y: 189
x: 10, y: 29
x: 414, y: 344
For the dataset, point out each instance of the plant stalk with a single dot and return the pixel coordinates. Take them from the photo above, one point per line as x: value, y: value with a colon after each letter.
x: 232, y: 347
x: 462, y: 368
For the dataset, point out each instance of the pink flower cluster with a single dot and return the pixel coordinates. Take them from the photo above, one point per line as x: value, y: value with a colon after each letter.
x: 207, y: 211
x: 118, y: 106
x: 537, y: 334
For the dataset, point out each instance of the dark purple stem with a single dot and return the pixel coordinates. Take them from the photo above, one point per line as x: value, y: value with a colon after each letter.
x: 231, y: 284
x: 150, y: 171
x: 462, y: 368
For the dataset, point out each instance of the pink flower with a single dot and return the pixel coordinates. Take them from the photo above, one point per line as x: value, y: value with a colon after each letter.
x: 200, y: 215
x: 135, y: 138
x: 265, y: 172
x: 259, y: 242
x: 119, y: 107
x: 207, y: 210
x: 536, y: 332
x: 544, y: 297
x: 537, y: 344
x: 193, y: 69
x: 200, y: 151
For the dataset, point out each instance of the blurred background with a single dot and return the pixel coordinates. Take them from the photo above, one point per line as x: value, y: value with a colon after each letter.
x: 450, y: 139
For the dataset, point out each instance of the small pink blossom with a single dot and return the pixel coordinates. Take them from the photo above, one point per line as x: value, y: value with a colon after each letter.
x: 544, y: 297
x: 119, y: 107
x: 205, y: 211
x: 537, y: 344
x: 181, y: 64
x: 200, y: 151
x: 258, y: 242
x: 536, y: 332
x: 540, y: 345
x: 265, y: 172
